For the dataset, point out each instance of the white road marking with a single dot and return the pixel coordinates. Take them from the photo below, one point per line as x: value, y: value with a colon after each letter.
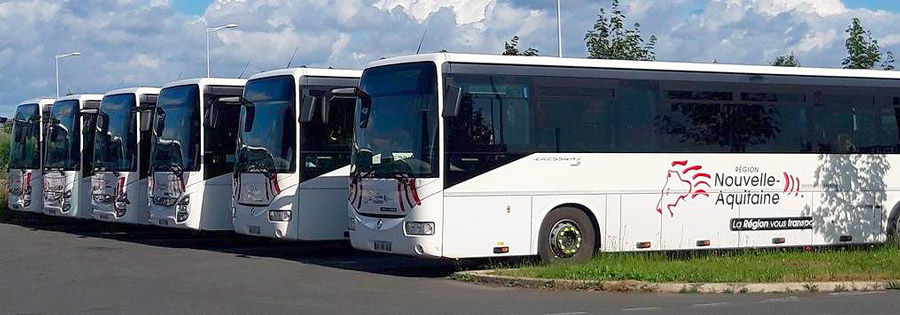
x: 855, y: 293
x: 638, y: 309
x: 569, y: 313
x: 781, y: 300
x: 711, y: 304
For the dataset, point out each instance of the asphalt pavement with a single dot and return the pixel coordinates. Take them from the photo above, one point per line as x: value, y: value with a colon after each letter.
x: 54, y: 265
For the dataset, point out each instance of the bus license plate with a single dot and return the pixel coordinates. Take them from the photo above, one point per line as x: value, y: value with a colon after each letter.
x: 382, y: 246
x: 254, y: 230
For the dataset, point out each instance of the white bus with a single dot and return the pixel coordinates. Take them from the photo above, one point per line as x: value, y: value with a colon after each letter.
x: 193, y: 154
x: 68, y: 156
x: 463, y: 156
x: 25, y: 153
x: 293, y: 155
x: 122, y: 155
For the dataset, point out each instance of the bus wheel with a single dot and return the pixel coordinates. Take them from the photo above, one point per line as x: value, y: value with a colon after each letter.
x: 893, y: 230
x: 566, y: 235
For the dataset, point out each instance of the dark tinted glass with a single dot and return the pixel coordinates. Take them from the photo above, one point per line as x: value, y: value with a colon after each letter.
x: 176, y: 135
x: 24, y: 149
x: 63, y: 139
x: 325, y: 146
x: 220, y: 141
x: 505, y: 117
x: 399, y: 137
x: 268, y: 141
x: 116, y: 148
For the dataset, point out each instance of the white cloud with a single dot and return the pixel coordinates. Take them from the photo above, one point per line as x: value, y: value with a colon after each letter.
x: 141, y: 42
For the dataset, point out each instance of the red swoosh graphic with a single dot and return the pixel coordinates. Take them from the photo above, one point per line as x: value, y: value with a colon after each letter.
x: 692, y: 168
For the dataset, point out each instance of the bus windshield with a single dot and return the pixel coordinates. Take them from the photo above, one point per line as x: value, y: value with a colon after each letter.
x: 63, y: 138
x: 24, y: 150
x: 267, y: 141
x: 177, y: 131
x: 398, y: 137
x: 115, y: 145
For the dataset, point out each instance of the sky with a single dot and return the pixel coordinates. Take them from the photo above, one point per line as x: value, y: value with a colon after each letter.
x: 151, y: 42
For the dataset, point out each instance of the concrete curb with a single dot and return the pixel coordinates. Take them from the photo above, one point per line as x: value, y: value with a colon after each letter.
x: 489, y: 277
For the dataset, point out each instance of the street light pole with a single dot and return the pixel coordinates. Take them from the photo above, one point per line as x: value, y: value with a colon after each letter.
x: 559, y: 26
x: 56, y: 59
x: 210, y: 31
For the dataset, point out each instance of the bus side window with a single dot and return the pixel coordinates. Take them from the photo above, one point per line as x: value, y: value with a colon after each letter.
x: 325, y: 143
x: 493, y: 126
x: 220, y: 141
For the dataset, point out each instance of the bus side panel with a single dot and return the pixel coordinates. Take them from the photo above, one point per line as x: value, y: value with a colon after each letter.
x: 613, y: 230
x: 542, y: 205
x: 478, y: 224
x: 700, y: 221
x: 215, y: 211
x: 788, y: 207
x: 638, y: 224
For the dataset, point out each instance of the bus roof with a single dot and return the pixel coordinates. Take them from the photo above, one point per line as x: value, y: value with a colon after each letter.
x: 135, y: 90
x: 207, y: 81
x: 43, y: 101
x: 439, y: 58
x: 81, y: 97
x: 317, y: 72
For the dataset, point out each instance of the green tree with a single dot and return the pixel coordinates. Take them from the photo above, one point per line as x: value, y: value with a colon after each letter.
x: 512, y: 48
x: 862, y: 50
x: 611, y: 39
x: 788, y: 60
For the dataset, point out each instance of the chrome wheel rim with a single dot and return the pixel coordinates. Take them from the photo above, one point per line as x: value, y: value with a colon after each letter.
x: 565, y: 238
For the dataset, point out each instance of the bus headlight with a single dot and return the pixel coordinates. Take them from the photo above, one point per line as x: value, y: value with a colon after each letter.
x: 181, y: 211
x: 279, y: 215
x: 419, y: 228
x: 352, y: 225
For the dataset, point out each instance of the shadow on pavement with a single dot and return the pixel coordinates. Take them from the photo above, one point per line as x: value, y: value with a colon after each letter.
x: 336, y: 254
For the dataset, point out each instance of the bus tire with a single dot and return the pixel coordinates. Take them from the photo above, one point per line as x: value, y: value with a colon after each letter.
x: 566, y: 234
x: 893, y: 230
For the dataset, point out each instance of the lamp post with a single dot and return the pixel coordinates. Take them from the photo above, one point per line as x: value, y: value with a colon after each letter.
x: 210, y: 30
x: 57, y: 57
x: 559, y: 26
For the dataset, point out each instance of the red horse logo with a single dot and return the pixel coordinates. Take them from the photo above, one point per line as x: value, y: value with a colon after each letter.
x: 682, y: 181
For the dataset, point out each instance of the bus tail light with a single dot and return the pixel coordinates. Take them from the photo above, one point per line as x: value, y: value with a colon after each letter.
x: 643, y: 245
x: 702, y: 243
x: 501, y: 250
x: 778, y: 240
x: 419, y: 228
x: 846, y: 238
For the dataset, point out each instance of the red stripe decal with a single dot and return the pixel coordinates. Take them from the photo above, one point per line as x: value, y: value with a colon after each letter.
x: 705, y: 175
x: 400, y: 195
x: 415, y: 192
x: 787, y: 181
x: 682, y: 163
x: 692, y: 168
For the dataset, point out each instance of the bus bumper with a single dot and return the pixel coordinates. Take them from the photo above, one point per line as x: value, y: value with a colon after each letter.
x: 254, y: 221
x: 386, y: 235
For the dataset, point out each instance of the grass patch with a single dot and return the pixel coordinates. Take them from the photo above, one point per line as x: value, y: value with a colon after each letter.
x: 878, y: 262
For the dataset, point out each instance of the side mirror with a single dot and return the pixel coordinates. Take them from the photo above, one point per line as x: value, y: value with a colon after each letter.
x: 309, y: 108
x: 325, y: 105
x: 212, y: 116
x: 452, y: 101
x: 103, y: 123
x: 146, y: 120
x: 19, y: 135
x: 160, y: 122
x: 249, y: 115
